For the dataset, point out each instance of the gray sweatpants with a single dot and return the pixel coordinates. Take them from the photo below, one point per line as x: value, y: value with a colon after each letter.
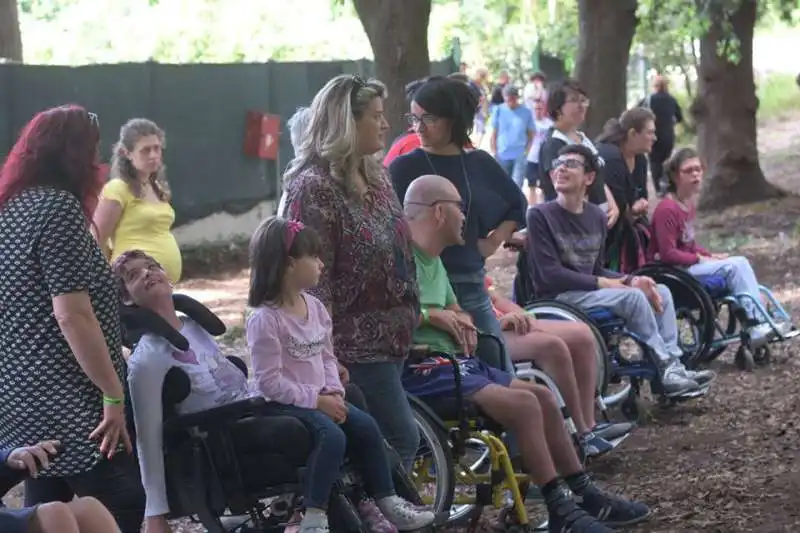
x: 658, y: 330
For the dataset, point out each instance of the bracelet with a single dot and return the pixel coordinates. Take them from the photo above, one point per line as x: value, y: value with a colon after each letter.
x: 108, y: 400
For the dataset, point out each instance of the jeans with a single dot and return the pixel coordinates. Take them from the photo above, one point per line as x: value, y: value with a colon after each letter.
x: 658, y: 331
x: 115, y: 483
x: 515, y: 168
x: 532, y: 173
x: 473, y: 298
x: 382, y: 386
x: 740, y: 279
x: 358, y: 435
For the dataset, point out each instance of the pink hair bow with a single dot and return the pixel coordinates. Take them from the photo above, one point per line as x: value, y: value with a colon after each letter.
x: 293, y: 227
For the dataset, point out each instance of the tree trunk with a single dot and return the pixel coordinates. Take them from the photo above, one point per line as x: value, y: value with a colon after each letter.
x: 725, y: 114
x: 10, y: 36
x: 398, y: 33
x: 606, y: 33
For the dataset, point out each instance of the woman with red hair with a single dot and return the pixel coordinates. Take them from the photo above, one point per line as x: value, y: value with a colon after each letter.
x: 61, y: 364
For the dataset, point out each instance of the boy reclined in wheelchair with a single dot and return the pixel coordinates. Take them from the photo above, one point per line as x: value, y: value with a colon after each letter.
x: 566, y: 238
x: 216, y: 381
x: 83, y: 515
x: 529, y: 410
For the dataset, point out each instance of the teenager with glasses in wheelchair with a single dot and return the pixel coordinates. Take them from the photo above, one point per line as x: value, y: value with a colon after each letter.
x: 566, y: 239
x: 447, y: 338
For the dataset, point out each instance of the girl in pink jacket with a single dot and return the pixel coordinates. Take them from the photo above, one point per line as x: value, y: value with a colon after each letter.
x: 289, y: 335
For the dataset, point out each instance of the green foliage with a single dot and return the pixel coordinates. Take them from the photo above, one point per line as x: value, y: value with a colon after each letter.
x: 779, y: 97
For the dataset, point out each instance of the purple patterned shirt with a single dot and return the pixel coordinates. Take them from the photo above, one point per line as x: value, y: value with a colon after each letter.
x: 369, y: 279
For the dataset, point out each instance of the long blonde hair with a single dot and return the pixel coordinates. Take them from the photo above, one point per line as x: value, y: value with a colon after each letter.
x: 121, y: 166
x: 331, y: 135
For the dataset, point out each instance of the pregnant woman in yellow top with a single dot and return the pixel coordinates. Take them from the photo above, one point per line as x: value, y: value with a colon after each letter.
x: 134, y: 211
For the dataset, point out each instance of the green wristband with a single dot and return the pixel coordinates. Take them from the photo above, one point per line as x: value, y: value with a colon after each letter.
x: 108, y: 400
x: 426, y: 317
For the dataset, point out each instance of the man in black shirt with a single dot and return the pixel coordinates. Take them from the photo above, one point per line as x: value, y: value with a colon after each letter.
x: 668, y: 113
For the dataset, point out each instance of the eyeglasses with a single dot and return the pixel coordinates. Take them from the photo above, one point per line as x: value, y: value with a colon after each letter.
x: 568, y: 163
x: 580, y: 100
x: 426, y: 119
x: 695, y: 169
x: 459, y: 203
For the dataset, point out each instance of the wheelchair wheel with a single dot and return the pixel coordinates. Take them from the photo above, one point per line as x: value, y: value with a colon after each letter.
x: 744, y: 359
x: 693, y: 304
x: 434, y: 463
x: 747, y: 359
x: 555, y: 310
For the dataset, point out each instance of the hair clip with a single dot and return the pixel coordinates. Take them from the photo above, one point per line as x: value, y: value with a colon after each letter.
x: 293, y: 227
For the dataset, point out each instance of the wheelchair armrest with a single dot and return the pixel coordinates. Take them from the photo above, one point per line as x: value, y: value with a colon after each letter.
x: 218, y: 416
x: 239, y: 363
x: 485, y: 340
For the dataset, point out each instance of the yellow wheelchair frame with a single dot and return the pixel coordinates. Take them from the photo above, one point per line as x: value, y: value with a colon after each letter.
x: 492, y: 487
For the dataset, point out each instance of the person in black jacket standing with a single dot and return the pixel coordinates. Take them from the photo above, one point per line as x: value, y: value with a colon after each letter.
x: 668, y: 113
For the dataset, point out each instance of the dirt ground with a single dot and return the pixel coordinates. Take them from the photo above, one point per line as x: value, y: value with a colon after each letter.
x: 728, y: 463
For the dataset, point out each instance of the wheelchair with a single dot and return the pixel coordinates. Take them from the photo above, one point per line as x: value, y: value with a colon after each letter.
x: 216, y: 472
x: 612, y: 333
x: 713, y: 316
x: 459, y: 445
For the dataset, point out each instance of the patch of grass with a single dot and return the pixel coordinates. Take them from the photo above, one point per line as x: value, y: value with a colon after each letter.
x: 778, y: 96
x: 215, y: 259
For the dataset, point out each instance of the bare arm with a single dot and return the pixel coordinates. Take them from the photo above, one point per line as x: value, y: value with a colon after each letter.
x: 106, y: 218
x: 76, y: 318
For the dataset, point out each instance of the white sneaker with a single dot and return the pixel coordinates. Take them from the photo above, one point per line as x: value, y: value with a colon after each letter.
x: 701, y: 377
x: 675, y: 379
x: 403, y: 515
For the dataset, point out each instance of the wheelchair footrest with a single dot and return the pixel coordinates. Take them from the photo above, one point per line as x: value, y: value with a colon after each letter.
x: 544, y: 527
x: 619, y: 440
x: 690, y: 395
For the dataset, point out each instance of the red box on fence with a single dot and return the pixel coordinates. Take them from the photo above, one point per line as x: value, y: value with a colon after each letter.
x: 262, y: 135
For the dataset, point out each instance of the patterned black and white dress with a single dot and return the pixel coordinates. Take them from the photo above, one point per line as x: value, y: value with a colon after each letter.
x: 46, y: 250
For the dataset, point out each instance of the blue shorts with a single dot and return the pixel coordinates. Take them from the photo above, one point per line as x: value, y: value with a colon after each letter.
x: 433, y: 377
x: 16, y: 520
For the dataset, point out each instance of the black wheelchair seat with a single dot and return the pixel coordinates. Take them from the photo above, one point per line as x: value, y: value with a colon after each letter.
x: 226, y: 458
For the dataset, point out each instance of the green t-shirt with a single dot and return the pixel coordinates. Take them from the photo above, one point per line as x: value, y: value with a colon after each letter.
x: 435, y: 292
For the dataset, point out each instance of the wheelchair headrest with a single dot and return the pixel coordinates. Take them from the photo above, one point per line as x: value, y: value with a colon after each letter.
x: 137, y: 321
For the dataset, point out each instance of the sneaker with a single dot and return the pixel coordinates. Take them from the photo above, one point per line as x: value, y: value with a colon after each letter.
x: 675, y: 381
x: 567, y: 516
x: 594, y: 446
x: 373, y: 518
x: 701, y: 377
x: 610, y: 431
x: 314, y: 523
x: 760, y: 334
x: 404, y: 515
x: 612, y: 510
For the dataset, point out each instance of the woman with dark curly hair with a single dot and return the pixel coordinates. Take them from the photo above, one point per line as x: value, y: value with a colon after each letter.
x: 61, y: 365
x: 134, y: 211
